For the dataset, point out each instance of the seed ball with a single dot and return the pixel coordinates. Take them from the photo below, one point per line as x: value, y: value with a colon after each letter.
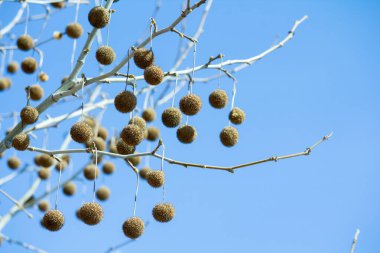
x: 153, y: 75
x: 69, y: 189
x: 138, y: 121
x: 21, y: 142
x: 66, y: 158
x: 37, y: 160
x: 81, y: 132
x: 190, y: 104
x: 13, y: 163
x: 144, y: 172
x: 133, y: 227
x: 105, y: 55
x: 229, y: 136
x: 43, y: 206
x: 156, y: 178
x: 153, y: 133
x: 90, y: 121
x: 132, y: 135
x: 53, y: 220
x: 125, y: 101
x: 36, y: 92
x: 74, y: 30
x: 171, y: 117
x: 12, y: 67
x: 236, y: 116
x: 25, y: 42
x: 44, y: 173
x: 103, y: 193
x: 5, y: 83
x: 98, y: 143
x: 91, y: 213
x: 99, y: 17
x: 58, y: 5
x: 108, y: 168
x: 186, y: 134
x: 43, y: 77
x: 143, y: 58
x: 135, y: 160
x: 102, y: 133
x: 61, y: 166
x: 149, y: 115
x: 98, y: 160
x: 46, y: 161
x: 218, y: 99
x: 163, y: 212
x: 29, y: 115
x: 29, y: 65
x: 123, y: 148
x: 57, y: 35
x: 91, y: 172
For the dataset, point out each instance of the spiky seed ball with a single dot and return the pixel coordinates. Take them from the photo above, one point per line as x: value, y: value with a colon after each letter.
x: 43, y: 77
x: 133, y: 227
x: 132, y: 135
x: 149, y: 115
x: 190, y: 104
x: 125, y: 101
x: 37, y: 160
x: 69, y: 189
x: 53, y: 220
x: 229, y: 136
x: 108, y: 168
x: 29, y: 65
x: 74, y: 30
x: 21, y: 142
x: 13, y: 163
x: 5, y: 83
x: 153, y: 75
x: 144, y: 172
x: 98, y: 143
x: 163, y: 212
x: 81, y: 132
x: 44, y: 173
x: 25, y: 42
x: 218, y: 99
x: 123, y: 148
x: 90, y: 172
x: 236, y: 116
x: 36, y: 92
x: 171, y: 117
x: 12, y: 67
x: 105, y: 55
x: 156, y: 178
x: 186, y: 134
x: 138, y: 121
x: 43, y: 206
x: 153, y: 133
x: 61, y: 166
x: 135, y: 160
x: 58, y: 5
x: 91, y: 213
x: 99, y: 17
x: 102, y: 133
x: 103, y: 193
x: 29, y: 115
x: 143, y: 58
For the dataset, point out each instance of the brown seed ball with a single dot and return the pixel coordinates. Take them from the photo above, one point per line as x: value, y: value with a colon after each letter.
x: 69, y: 189
x: 99, y: 17
x: 190, y: 104
x: 81, y: 132
x: 153, y: 133
x: 133, y: 227
x: 29, y: 115
x: 36, y: 92
x: 143, y: 58
x: 132, y: 135
x: 171, y: 117
x: 138, y: 121
x: 236, y: 116
x: 125, y: 101
x: 153, y: 75
x: 91, y: 172
x: 105, y: 55
x: 163, y: 212
x: 123, y: 148
x: 102, y: 133
x: 100, y: 158
x: 98, y: 143
x: 61, y: 166
x: 186, y: 134
x: 91, y: 213
x: 12, y: 67
x: 43, y: 77
x: 66, y: 158
x: 103, y: 193
x: 156, y: 178
x: 53, y: 220
x: 218, y: 99
x: 44, y: 173
x: 108, y: 168
x: 37, y: 160
x: 144, y: 172
x: 21, y: 142
x: 74, y: 30
x: 25, y: 42
x: 29, y: 65
x: 13, y: 163
x: 135, y: 160
x: 58, y: 5
x: 5, y: 83
x: 43, y: 206
x: 229, y: 136
x: 46, y: 160
x: 149, y: 115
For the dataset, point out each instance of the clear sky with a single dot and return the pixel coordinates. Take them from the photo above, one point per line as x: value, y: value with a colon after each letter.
x: 326, y: 79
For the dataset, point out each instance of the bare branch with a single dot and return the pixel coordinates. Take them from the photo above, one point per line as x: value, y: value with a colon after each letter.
x: 355, y: 241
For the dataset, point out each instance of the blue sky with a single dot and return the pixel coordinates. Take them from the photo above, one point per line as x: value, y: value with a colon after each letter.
x: 325, y: 79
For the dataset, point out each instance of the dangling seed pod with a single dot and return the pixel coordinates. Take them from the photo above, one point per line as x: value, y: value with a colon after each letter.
x: 143, y: 58
x: 5, y: 83
x: 105, y: 55
x: 90, y: 172
x: 29, y: 65
x: 58, y: 5
x: 44, y: 173
x: 138, y: 121
x: 156, y: 178
x: 190, y: 104
x: 102, y: 133
x: 46, y: 160
x: 153, y: 75
x: 218, y: 99
x: 236, y: 116
x: 74, y: 30
x: 123, y: 148
x: 69, y: 189
x: 36, y: 92
x: 99, y: 17
x: 37, y: 160
x: 12, y: 67
x: 61, y: 166
x: 43, y: 77
x: 103, y: 193
x: 25, y: 42
x: 132, y: 135
x: 229, y: 136
x: 186, y: 134
x: 13, y: 163
x: 125, y: 101
x: 163, y: 212
x: 108, y: 168
x: 29, y: 115
x: 43, y: 206
x: 21, y: 142
x: 53, y: 220
x: 81, y: 132
x: 153, y: 133
x: 144, y: 172
x: 133, y: 227
x: 171, y: 117
x: 98, y: 142
x: 148, y: 115
x: 91, y: 213
x: 135, y: 160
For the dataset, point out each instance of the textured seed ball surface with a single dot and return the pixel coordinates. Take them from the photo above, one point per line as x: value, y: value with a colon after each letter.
x: 29, y: 65
x: 99, y: 17
x: 153, y: 75
x: 46, y: 160
x: 133, y: 227
x: 90, y: 172
x: 44, y: 173
x: 36, y: 92
x: 132, y: 135
x: 103, y: 193
x: 21, y: 141
x: 53, y: 220
x: 81, y: 132
x: 29, y: 115
x: 5, y: 83
x: 12, y: 67
x: 163, y: 212
x: 190, y: 104
x: 102, y: 133
x: 58, y: 5
x: 143, y: 58
x: 138, y: 121
x: 105, y: 55
x: 108, y: 168
x: 186, y: 134
x: 144, y: 172
x: 98, y: 143
x: 123, y: 148
x: 135, y: 160
x: 43, y: 206
x: 229, y: 136
x: 25, y: 42
x: 171, y: 117
x: 149, y: 115
x: 125, y: 101
x: 218, y: 99
x: 153, y: 133
x: 13, y: 163
x: 236, y: 116
x: 69, y: 189
x: 91, y: 213
x: 43, y: 77
x: 156, y: 178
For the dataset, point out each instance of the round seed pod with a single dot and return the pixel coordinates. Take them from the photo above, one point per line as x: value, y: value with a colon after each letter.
x: 186, y: 134
x: 156, y: 178
x: 13, y: 163
x: 102, y: 133
x: 171, y: 117
x: 21, y: 142
x: 57, y: 35
x: 98, y: 142
x: 69, y: 189
x: 29, y: 65
x: 135, y: 160
x: 153, y: 75
x: 91, y: 213
x: 190, y: 104
x: 236, y: 116
x: 138, y: 121
x: 58, y: 5
x: 103, y: 193
x: 44, y: 174
x: 163, y: 212
x: 132, y: 135
x: 5, y: 83
x: 46, y: 160
x: 25, y: 42
x: 43, y: 77
x: 108, y: 168
x: 90, y: 172
x: 229, y: 136
x: 149, y: 115
x: 144, y: 172
x: 153, y: 133
x: 81, y: 132
x: 99, y: 17
x: 53, y: 220
x: 218, y: 99
x: 37, y: 160
x: 133, y: 227
x: 29, y: 115
x: 61, y: 166
x: 43, y: 206
x: 125, y: 101
x: 105, y: 55
x: 12, y: 67
x: 143, y: 58
x: 74, y: 30
x: 66, y: 158
x: 123, y: 148
x: 36, y: 92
